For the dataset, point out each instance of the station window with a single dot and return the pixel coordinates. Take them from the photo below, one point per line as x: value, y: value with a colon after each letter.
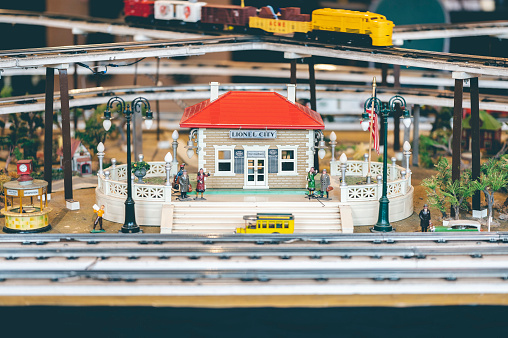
x: 224, y: 160
x: 287, y: 160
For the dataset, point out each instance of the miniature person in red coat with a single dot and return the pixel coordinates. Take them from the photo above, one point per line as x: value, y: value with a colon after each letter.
x: 200, y: 186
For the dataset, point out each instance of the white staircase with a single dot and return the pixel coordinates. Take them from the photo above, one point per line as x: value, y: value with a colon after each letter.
x: 224, y: 217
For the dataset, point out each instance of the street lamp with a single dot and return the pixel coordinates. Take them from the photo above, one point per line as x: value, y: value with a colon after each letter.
x: 127, y: 110
x: 383, y: 110
x: 190, y: 144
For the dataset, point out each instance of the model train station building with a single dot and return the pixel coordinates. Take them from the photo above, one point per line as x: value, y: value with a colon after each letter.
x: 254, y: 140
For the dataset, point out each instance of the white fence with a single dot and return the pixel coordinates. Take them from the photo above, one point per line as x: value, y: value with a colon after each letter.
x: 399, y: 181
x: 113, y: 183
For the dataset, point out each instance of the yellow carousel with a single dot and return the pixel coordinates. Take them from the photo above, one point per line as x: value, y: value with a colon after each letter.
x: 24, y: 217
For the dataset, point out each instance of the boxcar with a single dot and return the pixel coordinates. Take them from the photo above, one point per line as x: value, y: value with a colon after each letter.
x: 227, y: 15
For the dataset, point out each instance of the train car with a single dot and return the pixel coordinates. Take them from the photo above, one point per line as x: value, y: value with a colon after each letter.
x: 138, y: 10
x: 268, y: 223
x: 220, y: 16
x: 184, y: 11
x: 287, y: 22
x: 328, y: 23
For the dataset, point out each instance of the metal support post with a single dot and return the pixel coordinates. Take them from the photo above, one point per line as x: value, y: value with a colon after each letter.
x: 75, y: 81
x: 66, y: 133
x: 48, y: 128
x: 457, y: 132
x: 416, y: 134
x: 384, y: 75
x: 157, y: 108
x: 313, y: 103
x: 475, y: 137
x: 397, y: 113
x: 293, y: 72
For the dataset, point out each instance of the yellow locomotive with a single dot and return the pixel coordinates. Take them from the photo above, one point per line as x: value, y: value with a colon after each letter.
x: 268, y: 223
x: 327, y: 24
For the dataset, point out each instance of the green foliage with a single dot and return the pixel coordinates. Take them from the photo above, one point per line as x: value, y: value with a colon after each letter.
x: 94, y: 131
x: 425, y: 157
x: 442, y: 120
x: 6, y: 91
x: 493, y: 177
x: 140, y: 165
x: 442, y: 190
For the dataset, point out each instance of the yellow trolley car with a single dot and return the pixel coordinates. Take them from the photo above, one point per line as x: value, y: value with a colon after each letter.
x: 267, y: 223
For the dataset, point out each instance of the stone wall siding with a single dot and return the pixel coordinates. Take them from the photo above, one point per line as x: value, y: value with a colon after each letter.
x: 298, y: 138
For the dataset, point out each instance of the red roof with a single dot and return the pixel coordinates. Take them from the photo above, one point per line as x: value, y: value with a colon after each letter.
x: 251, y: 110
x: 74, y: 145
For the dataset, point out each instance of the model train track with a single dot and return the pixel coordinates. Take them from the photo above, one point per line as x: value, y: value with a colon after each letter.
x: 389, y: 238
x: 254, y: 252
x: 96, y: 96
x: 262, y: 275
x: 122, y: 51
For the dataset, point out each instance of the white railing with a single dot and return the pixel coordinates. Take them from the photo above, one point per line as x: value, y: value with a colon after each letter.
x: 399, y: 181
x: 113, y: 183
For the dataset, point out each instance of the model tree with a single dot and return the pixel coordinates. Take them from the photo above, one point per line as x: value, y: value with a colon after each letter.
x: 442, y: 190
x: 493, y: 176
x: 94, y: 131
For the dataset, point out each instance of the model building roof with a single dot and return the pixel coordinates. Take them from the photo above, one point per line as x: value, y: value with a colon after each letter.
x: 74, y: 145
x: 251, y: 110
x: 487, y: 122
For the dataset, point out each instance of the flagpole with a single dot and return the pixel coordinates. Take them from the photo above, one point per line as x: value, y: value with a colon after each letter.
x: 371, y: 121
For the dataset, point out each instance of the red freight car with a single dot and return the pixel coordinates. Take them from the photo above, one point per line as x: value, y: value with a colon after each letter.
x: 227, y: 15
x: 138, y: 9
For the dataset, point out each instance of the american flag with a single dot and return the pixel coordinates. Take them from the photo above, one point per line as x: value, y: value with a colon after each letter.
x: 374, y: 127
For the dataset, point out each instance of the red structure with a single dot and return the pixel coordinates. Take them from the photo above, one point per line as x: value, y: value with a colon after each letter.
x: 251, y: 110
x: 138, y: 8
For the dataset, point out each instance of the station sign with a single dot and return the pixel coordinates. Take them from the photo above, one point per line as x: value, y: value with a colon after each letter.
x: 257, y: 134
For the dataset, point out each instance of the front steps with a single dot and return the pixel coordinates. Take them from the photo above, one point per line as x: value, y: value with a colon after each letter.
x: 225, y: 217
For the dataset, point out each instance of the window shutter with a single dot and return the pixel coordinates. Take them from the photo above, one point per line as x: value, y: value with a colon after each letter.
x: 239, y: 161
x: 273, y: 161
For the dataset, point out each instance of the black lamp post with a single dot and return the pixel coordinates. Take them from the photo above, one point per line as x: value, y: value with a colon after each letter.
x: 127, y: 110
x: 383, y: 110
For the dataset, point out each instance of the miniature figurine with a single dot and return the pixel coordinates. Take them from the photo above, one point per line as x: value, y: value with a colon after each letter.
x: 184, y: 183
x: 325, y: 184
x: 311, y: 182
x: 200, y: 186
x: 177, y: 176
x: 98, y: 220
x: 425, y: 218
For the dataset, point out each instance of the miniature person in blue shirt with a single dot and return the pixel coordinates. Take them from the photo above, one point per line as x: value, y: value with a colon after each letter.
x: 178, y: 174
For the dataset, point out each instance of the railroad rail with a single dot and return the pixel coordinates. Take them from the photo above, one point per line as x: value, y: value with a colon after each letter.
x: 95, y: 96
x: 253, y: 252
x: 271, y: 70
x: 261, y: 275
x: 259, y: 239
x: 435, y: 31
x: 480, y: 65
